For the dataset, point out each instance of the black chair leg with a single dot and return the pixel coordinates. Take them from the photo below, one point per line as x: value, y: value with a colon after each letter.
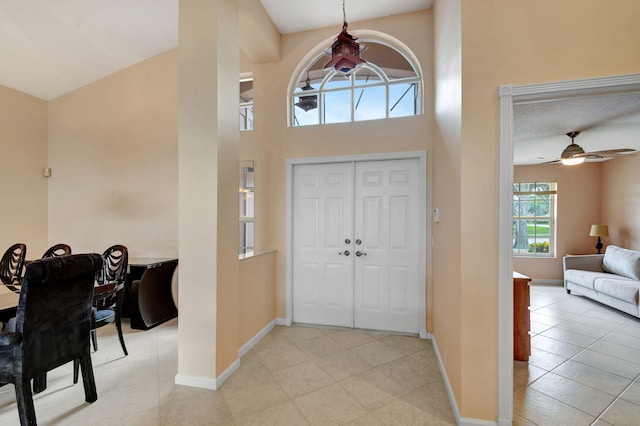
x: 119, y: 328
x: 89, y: 382
x: 94, y: 340
x: 76, y: 368
x: 39, y: 383
x: 24, y: 398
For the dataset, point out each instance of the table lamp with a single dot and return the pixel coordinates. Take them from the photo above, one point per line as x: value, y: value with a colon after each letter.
x: 599, y: 231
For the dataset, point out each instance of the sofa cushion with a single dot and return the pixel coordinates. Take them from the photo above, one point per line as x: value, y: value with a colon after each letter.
x: 623, y: 262
x: 586, y: 278
x: 619, y: 288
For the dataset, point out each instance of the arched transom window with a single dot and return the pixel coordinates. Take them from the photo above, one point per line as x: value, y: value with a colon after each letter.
x: 388, y: 85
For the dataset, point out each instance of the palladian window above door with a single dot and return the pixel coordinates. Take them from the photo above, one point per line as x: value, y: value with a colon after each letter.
x: 388, y: 85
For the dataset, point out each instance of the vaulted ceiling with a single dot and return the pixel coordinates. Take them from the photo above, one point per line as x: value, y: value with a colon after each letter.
x: 49, y: 48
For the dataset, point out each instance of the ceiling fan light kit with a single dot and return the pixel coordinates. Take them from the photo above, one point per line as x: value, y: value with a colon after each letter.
x: 573, y: 154
x: 570, y: 155
x: 572, y: 161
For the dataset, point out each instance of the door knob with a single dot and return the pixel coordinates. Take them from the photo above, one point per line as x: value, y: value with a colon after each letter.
x: 359, y: 253
x: 346, y: 253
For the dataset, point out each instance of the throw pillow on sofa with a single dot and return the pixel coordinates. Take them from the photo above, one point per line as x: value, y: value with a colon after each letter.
x: 622, y: 261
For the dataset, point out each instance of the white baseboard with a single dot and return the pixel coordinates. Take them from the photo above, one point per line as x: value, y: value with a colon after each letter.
x: 466, y: 421
x: 445, y: 379
x: 227, y: 373
x: 195, y: 381
x: 537, y: 281
x: 255, y: 339
x: 461, y: 421
x: 205, y: 382
x: 282, y: 321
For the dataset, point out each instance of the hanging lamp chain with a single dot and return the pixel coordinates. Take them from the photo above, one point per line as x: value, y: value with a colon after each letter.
x: 344, y: 16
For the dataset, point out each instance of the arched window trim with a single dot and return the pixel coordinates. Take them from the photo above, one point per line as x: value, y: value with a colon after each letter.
x: 364, y: 36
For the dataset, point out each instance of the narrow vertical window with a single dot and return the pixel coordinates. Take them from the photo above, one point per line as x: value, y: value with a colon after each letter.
x: 246, y: 104
x: 246, y: 198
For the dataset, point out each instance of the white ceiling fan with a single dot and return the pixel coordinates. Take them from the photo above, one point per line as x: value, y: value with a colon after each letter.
x: 574, y: 154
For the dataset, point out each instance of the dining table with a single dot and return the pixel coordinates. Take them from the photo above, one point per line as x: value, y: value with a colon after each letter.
x: 8, y: 305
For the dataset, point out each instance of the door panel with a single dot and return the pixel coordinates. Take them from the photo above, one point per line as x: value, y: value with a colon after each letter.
x: 322, y: 219
x: 386, y: 222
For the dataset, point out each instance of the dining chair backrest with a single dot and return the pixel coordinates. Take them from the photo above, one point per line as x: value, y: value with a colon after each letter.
x: 57, y: 250
x: 12, y: 264
x: 115, y: 262
x: 54, y: 312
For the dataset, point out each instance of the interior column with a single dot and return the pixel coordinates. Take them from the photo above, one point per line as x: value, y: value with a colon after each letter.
x: 208, y: 103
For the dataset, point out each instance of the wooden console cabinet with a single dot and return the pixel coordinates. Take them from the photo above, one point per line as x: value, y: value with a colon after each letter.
x: 521, y: 319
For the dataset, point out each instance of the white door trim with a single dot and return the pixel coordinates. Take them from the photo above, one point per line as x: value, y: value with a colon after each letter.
x: 510, y: 96
x: 422, y: 217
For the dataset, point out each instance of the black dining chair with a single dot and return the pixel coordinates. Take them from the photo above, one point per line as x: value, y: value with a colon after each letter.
x: 52, y: 327
x: 57, y: 250
x: 108, y: 296
x: 12, y: 266
x: 109, y: 292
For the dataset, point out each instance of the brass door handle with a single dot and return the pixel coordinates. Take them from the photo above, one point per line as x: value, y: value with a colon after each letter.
x: 360, y: 253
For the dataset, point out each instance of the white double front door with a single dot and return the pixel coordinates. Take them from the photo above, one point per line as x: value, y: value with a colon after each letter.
x: 356, y: 244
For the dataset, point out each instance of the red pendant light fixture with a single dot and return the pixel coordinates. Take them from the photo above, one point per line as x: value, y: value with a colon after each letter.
x: 345, y: 50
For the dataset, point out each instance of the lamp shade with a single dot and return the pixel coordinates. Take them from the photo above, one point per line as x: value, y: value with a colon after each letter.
x: 599, y: 231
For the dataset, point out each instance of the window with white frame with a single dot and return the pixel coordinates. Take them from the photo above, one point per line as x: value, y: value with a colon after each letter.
x: 246, y: 104
x: 388, y: 85
x: 534, y: 218
x: 246, y: 198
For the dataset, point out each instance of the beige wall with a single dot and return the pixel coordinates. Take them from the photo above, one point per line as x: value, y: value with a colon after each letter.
x: 114, y: 155
x: 579, y: 206
x: 621, y: 202
x: 446, y: 237
x: 23, y: 188
x: 257, y: 295
x: 516, y: 42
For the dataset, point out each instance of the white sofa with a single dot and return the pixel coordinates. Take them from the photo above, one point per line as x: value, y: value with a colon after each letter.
x: 612, y: 278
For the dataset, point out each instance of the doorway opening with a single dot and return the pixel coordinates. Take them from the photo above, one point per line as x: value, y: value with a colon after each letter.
x: 509, y: 97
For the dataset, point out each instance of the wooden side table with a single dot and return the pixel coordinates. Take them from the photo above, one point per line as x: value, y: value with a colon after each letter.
x: 521, y: 319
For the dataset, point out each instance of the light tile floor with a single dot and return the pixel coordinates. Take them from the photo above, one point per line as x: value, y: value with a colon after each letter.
x: 294, y: 376
x: 584, y: 367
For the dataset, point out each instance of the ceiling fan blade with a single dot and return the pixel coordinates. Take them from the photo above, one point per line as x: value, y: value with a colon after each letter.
x: 608, y: 152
